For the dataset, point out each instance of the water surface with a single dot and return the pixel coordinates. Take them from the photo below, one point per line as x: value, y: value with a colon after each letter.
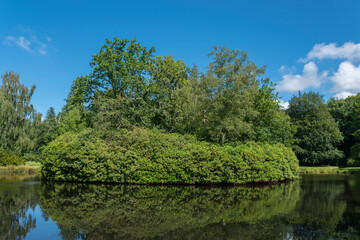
x: 315, y: 207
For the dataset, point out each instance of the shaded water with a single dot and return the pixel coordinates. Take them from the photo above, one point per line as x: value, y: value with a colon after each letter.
x: 315, y: 207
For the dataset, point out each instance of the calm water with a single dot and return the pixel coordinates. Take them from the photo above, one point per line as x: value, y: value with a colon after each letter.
x: 315, y: 207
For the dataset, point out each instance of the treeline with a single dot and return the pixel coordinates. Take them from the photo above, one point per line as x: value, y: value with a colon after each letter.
x: 230, y: 103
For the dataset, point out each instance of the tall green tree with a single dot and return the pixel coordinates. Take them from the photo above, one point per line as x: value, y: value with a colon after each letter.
x: 355, y: 149
x: 81, y: 93
x: 232, y: 82
x: 121, y: 72
x: 231, y: 101
x: 234, y: 102
x: 342, y: 110
x: 19, y: 122
x: 120, y: 67
x: 49, y: 129
x: 167, y: 78
x: 318, y: 134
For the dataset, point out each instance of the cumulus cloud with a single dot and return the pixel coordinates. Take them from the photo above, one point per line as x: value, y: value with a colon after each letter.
x: 346, y: 80
x: 309, y: 78
x: 348, y: 51
x: 344, y: 94
x: 283, y: 104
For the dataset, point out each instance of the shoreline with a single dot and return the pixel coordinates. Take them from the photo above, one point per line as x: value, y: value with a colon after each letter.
x: 330, y: 170
x: 29, y: 168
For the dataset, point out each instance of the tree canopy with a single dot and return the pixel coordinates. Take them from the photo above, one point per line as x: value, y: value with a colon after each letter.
x: 18, y: 118
x: 317, y: 134
x: 230, y: 102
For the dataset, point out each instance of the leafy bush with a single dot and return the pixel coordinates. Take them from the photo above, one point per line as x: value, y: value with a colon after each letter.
x: 150, y: 156
x: 7, y: 158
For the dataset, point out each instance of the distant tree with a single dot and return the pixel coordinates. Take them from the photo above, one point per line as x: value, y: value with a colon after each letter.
x: 342, y: 110
x: 49, y: 129
x: 19, y: 122
x: 317, y: 134
x: 355, y: 149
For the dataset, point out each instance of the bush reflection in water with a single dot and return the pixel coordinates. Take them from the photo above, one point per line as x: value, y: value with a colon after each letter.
x: 318, y: 207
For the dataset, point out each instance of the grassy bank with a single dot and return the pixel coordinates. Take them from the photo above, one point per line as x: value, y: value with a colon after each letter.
x: 329, y: 170
x: 31, y: 168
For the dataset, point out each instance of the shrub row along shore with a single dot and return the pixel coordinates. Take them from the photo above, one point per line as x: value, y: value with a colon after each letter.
x: 141, y: 156
x: 330, y: 170
x: 20, y: 170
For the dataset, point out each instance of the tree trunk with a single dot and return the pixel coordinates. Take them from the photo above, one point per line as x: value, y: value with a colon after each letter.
x: 223, y: 139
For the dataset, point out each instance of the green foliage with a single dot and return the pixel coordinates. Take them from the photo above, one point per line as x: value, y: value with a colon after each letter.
x: 229, y: 102
x: 120, y: 66
x: 49, y: 130
x: 72, y: 122
x: 167, y: 78
x: 144, y: 156
x: 81, y: 93
x: 342, y: 110
x: 7, y: 158
x: 355, y: 149
x: 130, y: 88
x: 19, y: 122
x: 354, y: 159
x: 320, y: 170
x: 32, y: 157
x: 232, y: 102
x: 317, y: 132
x: 347, y: 114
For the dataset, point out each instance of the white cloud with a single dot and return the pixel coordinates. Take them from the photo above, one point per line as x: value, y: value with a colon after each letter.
x: 283, y: 104
x: 344, y: 94
x: 284, y: 69
x: 348, y: 51
x: 21, y: 42
x: 309, y: 78
x: 346, y: 80
x: 29, y: 41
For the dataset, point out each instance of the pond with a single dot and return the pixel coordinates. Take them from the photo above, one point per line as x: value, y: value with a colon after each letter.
x: 314, y: 207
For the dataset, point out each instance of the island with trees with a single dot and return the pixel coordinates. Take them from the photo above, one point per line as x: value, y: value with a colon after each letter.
x: 146, y: 119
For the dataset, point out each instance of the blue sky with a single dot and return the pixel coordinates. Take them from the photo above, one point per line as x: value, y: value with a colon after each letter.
x: 306, y: 45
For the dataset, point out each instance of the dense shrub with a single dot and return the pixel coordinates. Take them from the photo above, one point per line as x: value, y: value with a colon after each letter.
x: 7, y: 158
x: 150, y: 156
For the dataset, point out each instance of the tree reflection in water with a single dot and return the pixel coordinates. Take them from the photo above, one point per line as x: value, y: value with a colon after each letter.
x: 16, y: 199
x: 317, y: 207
